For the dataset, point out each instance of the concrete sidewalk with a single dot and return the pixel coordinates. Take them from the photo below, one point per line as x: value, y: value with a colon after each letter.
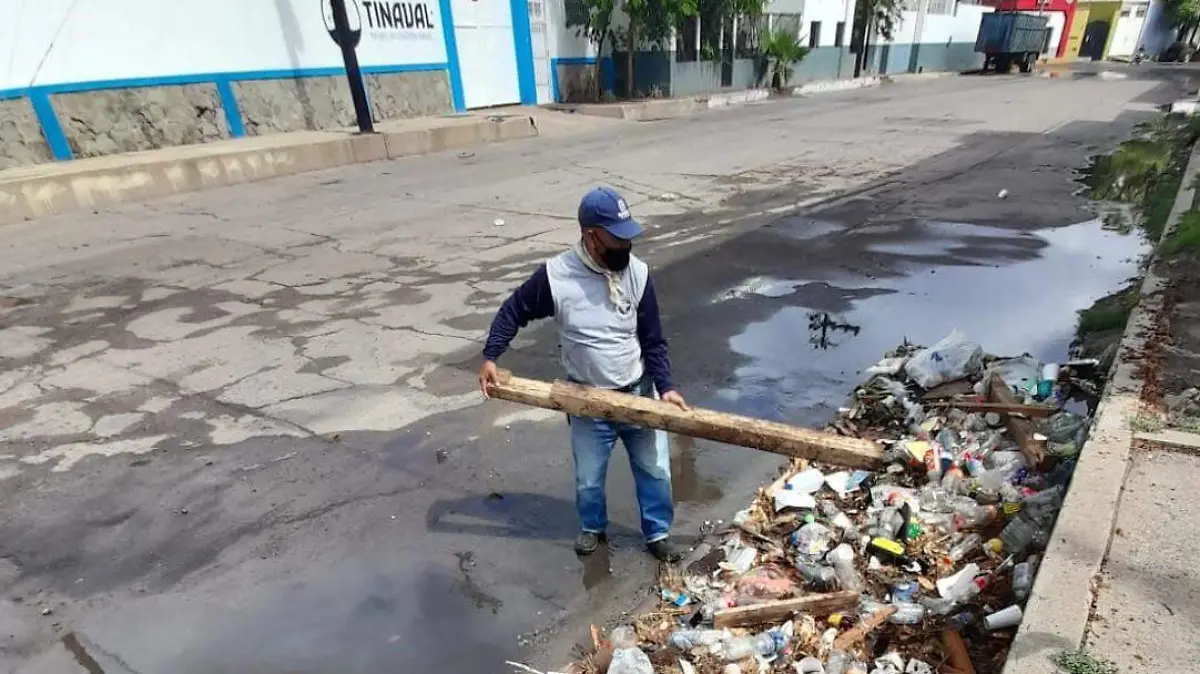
x: 47, y: 189
x: 1119, y: 577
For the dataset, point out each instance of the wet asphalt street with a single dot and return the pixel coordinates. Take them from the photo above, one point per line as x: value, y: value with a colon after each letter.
x: 239, y: 430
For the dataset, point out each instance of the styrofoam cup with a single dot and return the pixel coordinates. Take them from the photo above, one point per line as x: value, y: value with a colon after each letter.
x: 1005, y: 617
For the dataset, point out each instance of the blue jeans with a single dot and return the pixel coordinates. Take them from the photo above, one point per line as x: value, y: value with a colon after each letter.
x: 592, y: 442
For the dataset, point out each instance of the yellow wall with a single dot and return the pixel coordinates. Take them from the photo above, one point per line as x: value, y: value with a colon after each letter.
x: 1085, y: 13
x: 1075, y: 36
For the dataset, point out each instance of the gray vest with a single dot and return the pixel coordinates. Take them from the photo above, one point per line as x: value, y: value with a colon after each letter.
x: 599, y: 341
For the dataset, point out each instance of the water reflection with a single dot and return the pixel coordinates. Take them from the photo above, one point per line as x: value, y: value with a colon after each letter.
x: 823, y: 327
x: 1021, y: 304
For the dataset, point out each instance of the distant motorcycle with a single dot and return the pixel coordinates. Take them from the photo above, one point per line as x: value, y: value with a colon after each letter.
x: 1139, y: 56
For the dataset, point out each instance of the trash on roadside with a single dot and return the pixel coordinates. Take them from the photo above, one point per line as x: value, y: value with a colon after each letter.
x: 940, y: 545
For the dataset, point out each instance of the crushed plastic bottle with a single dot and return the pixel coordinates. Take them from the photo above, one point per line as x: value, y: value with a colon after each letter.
x: 675, y: 598
x: 627, y: 657
x: 740, y: 648
x: 842, y: 558
x: 686, y: 640
x: 907, y: 613
x: 957, y: 552
x: 812, y: 540
x: 1022, y: 580
x: 817, y: 576
x: 836, y: 663
x: 1016, y: 536
x: 1065, y: 427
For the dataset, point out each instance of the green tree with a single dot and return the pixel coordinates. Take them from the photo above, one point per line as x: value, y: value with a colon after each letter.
x: 1185, y: 16
x: 873, y: 17
x: 592, y: 19
x: 650, y: 21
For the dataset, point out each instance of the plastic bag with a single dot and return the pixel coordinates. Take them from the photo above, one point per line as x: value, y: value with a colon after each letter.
x: 952, y: 358
x: 763, y: 583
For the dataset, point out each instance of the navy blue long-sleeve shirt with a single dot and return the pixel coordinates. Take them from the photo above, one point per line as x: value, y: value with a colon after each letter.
x: 534, y: 300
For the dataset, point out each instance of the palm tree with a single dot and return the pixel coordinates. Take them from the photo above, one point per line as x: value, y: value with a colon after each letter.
x: 783, y: 50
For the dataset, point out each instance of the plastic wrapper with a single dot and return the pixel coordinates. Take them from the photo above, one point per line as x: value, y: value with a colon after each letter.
x: 952, y: 358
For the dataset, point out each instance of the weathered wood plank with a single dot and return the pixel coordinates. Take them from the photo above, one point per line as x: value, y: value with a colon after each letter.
x: 767, y: 436
x: 782, y: 609
x: 1021, y: 430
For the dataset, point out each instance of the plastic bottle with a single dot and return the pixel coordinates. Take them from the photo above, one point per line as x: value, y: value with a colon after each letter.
x: 817, y: 576
x: 961, y: 549
x: 1015, y: 538
x: 1043, y: 506
x: 812, y: 540
x: 842, y: 558
x: 836, y: 663
x: 627, y: 657
x: 740, y: 648
x: 949, y: 442
x: 1022, y: 580
x: 674, y: 597
x: 887, y: 524
x: 686, y: 640
x: 907, y: 613
x: 838, y: 519
x: 971, y: 515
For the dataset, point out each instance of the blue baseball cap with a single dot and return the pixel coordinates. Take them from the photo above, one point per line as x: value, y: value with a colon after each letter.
x: 603, y: 207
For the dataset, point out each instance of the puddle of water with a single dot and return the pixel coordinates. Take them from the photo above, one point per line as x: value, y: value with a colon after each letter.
x: 803, y: 362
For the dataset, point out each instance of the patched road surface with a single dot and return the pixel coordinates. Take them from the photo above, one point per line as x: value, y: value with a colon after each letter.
x: 239, y: 430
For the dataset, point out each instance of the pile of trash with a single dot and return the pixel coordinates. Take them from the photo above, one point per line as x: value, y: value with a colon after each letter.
x: 920, y: 566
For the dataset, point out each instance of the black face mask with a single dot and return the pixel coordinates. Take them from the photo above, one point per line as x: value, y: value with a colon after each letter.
x: 616, y: 259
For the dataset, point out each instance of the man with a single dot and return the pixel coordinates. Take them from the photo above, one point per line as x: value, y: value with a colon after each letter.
x: 610, y: 336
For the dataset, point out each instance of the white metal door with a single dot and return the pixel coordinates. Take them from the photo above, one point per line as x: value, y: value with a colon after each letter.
x: 487, y: 55
x: 541, y: 50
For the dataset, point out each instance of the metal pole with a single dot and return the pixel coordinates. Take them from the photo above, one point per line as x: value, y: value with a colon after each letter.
x: 358, y: 92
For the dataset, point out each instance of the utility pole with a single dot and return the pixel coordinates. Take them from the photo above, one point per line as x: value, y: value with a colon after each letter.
x: 358, y: 92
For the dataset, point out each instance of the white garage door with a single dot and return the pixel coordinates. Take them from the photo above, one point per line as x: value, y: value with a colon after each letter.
x: 487, y: 56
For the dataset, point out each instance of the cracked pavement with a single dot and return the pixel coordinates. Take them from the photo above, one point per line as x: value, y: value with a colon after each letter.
x: 239, y: 429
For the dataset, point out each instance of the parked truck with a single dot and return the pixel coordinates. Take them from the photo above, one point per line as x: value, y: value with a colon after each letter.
x: 1011, y: 38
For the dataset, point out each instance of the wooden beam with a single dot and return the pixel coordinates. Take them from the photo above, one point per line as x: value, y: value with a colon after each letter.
x: 782, y: 609
x: 1033, y: 411
x: 1021, y: 430
x: 767, y: 436
x: 860, y: 631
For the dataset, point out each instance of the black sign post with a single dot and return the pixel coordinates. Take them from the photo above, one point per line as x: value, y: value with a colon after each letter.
x: 358, y: 91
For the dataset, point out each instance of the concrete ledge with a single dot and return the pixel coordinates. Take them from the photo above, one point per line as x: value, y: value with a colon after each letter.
x: 829, y: 86
x: 1179, y: 441
x: 1059, y: 608
x: 48, y: 189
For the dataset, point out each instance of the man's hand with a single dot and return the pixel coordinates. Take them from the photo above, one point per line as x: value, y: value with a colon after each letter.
x: 487, y: 377
x: 675, y: 399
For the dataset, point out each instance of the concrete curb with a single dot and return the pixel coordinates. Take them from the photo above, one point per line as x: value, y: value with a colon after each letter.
x: 1059, y: 608
x: 666, y: 108
x: 48, y: 189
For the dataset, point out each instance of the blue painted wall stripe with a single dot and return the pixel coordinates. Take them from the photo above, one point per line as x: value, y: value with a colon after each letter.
x: 554, y: 95
x: 448, y: 37
x: 51, y: 129
x: 233, y: 113
x: 523, y: 43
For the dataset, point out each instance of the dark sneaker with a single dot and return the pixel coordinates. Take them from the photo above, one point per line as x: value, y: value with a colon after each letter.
x: 663, y: 551
x: 587, y: 542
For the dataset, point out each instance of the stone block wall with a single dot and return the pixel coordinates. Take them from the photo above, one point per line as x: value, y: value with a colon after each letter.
x: 577, y: 82
x: 417, y: 94
x: 21, y: 139
x: 112, y: 121
x: 316, y: 103
x: 107, y: 122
